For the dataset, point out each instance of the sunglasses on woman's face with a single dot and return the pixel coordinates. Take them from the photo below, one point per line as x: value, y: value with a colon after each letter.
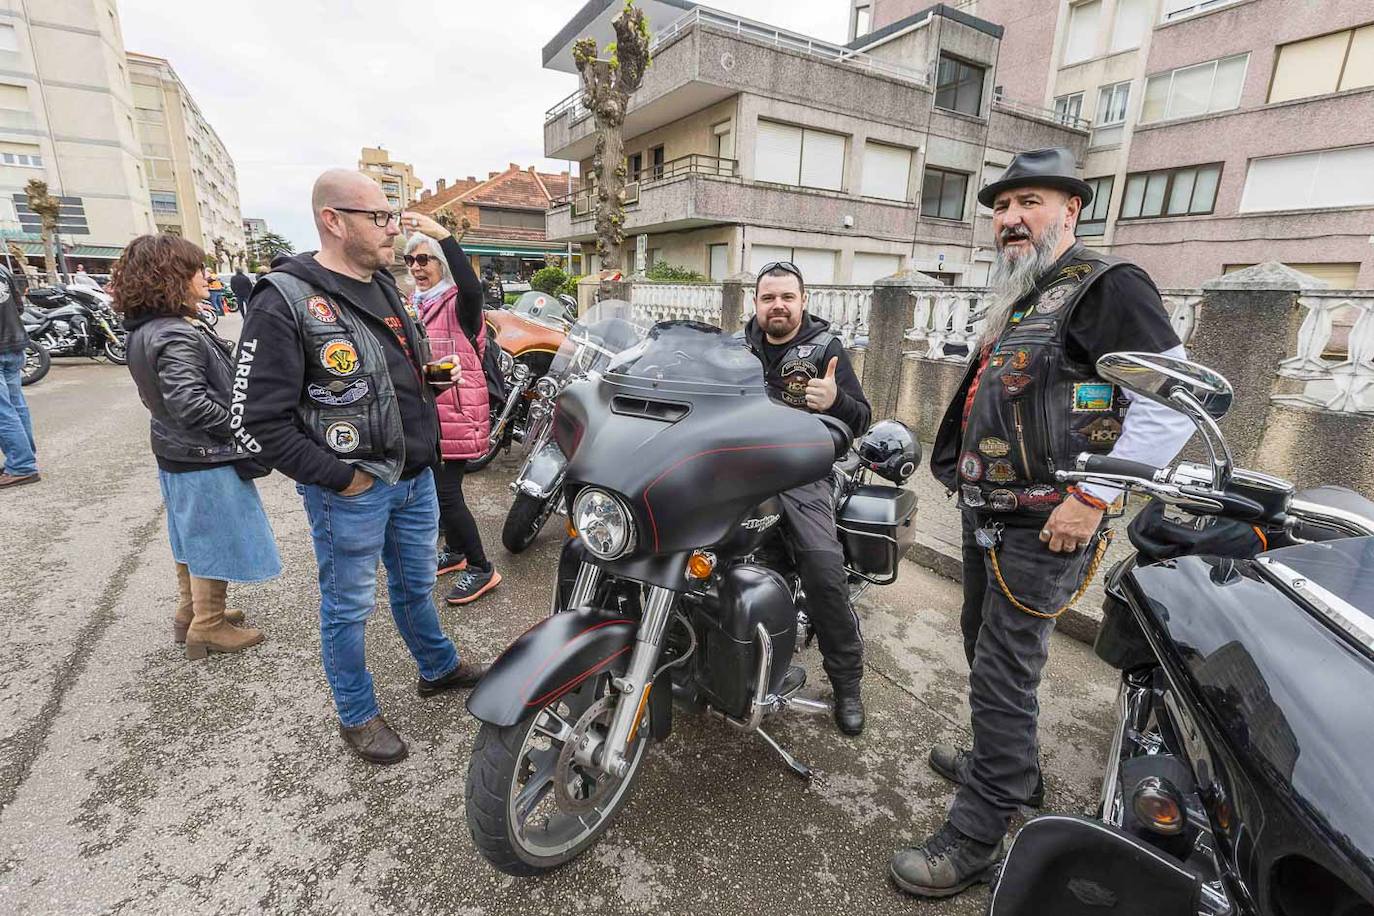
x: 421, y: 259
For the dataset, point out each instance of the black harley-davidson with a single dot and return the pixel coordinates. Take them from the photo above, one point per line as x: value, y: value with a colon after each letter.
x: 74, y: 321
x: 1238, y: 778
x: 669, y: 590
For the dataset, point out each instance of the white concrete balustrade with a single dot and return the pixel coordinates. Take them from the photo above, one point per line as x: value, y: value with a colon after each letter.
x: 947, y: 321
x: 677, y: 301
x: 1329, y: 382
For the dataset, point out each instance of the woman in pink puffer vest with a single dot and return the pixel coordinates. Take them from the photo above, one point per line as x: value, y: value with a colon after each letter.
x: 448, y: 300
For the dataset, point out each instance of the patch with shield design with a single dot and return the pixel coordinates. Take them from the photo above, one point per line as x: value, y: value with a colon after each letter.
x: 1040, y: 496
x: 1092, y: 396
x: 970, y: 466
x: 972, y: 496
x: 1053, y: 299
x: 1102, y: 431
x: 1020, y: 360
x: 1001, y: 471
x: 341, y: 437
x: 994, y: 447
x: 1014, y: 382
x: 339, y: 357
x: 320, y: 309
x: 796, y: 373
x: 1002, y: 501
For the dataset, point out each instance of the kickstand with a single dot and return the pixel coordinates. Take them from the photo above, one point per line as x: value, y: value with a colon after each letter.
x: 795, y: 765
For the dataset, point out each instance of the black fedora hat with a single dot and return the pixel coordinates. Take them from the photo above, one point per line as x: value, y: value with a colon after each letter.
x: 1051, y: 168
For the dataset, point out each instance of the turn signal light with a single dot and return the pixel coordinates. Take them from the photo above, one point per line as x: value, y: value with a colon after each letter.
x: 572, y: 532
x: 1158, y: 806
x: 700, y: 566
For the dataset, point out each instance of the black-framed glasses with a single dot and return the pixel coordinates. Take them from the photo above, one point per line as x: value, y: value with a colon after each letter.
x: 786, y: 266
x: 421, y: 259
x: 379, y: 217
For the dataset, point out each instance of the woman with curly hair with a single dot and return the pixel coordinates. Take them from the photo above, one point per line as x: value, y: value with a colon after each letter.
x: 184, y: 373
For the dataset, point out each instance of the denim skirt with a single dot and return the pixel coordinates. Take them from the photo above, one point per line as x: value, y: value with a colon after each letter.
x: 217, y: 525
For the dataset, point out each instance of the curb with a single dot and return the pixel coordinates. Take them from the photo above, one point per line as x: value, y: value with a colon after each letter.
x: 944, y: 559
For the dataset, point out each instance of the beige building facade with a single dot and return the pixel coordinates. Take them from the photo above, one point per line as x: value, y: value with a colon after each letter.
x: 397, y: 179
x: 192, y: 183
x: 67, y: 117
x: 747, y: 144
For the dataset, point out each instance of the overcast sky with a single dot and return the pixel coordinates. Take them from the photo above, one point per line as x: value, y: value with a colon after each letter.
x: 456, y: 88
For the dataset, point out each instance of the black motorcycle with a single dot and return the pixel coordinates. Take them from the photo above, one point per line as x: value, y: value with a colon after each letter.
x: 1238, y: 777
x: 676, y: 457
x: 36, y: 363
x: 74, y: 321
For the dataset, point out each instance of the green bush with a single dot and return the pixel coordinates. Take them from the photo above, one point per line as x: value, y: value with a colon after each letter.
x: 664, y: 272
x: 511, y: 297
x: 548, y: 280
x: 569, y: 287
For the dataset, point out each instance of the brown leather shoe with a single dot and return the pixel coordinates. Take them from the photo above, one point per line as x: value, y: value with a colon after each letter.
x: 375, y: 741
x: 10, y: 480
x: 210, y: 631
x: 465, y: 675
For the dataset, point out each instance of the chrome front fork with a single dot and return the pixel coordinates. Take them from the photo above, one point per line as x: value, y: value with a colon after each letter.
x: 634, y: 686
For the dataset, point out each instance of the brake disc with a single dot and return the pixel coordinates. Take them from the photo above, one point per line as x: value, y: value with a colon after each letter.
x: 570, y: 776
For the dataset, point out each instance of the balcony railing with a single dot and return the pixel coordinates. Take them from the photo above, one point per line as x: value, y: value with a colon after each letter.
x: 1043, y: 114
x: 584, y: 202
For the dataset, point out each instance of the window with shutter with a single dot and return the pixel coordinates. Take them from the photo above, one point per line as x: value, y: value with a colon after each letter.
x: 777, y: 153
x: 1132, y: 21
x: 1081, y: 42
x: 817, y: 265
x: 870, y: 266
x: 760, y: 255
x: 887, y: 171
x: 822, y: 160
x: 1311, y: 181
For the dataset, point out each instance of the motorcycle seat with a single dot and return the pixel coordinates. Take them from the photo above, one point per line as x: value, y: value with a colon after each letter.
x: 1341, y: 498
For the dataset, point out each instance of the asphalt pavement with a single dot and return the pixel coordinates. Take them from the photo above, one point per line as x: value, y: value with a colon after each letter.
x: 135, y: 781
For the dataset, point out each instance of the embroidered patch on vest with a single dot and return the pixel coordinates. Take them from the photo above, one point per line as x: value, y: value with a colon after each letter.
x: 1090, y: 396
x: 973, y: 497
x: 1076, y: 271
x: 320, y: 309
x: 1053, y: 299
x: 1102, y: 431
x: 338, y: 357
x: 795, y: 375
x: 994, y: 447
x: 1002, y: 501
x: 1040, y: 496
x: 1020, y: 360
x: 1001, y: 471
x: 970, y: 466
x: 997, y: 360
x: 1014, y: 382
x: 806, y: 350
x: 341, y: 437
x: 338, y: 394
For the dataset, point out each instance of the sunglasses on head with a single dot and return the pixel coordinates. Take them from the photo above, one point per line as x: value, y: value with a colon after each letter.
x: 421, y: 259
x: 785, y: 266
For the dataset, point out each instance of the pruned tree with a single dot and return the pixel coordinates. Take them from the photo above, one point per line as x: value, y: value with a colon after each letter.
x: 46, y: 207
x: 268, y: 245
x: 459, y: 226
x: 220, y: 248
x: 607, y: 84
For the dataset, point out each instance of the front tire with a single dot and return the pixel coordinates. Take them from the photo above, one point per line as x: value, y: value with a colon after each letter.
x: 521, y: 822
x: 116, y: 353
x: 37, y: 362
x: 526, y: 519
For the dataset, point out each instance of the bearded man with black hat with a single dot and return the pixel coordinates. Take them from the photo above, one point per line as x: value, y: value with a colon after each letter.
x: 1029, y: 404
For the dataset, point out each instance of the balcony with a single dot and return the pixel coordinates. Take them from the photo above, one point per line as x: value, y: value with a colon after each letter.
x: 1016, y: 126
x: 706, y: 57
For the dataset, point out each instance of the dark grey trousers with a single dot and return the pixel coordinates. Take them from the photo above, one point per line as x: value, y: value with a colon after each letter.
x: 809, y: 527
x: 1006, y: 649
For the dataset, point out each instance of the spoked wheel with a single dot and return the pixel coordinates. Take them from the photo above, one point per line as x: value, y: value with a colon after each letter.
x: 37, y: 362
x: 533, y: 800
x: 115, y: 351
x: 525, y: 520
x: 493, y: 449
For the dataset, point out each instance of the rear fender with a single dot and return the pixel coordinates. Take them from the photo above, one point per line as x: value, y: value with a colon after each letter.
x: 554, y: 656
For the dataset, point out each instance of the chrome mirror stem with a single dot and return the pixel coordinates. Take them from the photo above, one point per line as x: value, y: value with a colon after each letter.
x: 1220, y: 453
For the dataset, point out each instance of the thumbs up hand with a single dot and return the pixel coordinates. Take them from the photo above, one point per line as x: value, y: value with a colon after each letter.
x: 821, y: 392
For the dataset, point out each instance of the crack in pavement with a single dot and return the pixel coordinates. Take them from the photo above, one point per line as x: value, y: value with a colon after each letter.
x: 27, y: 742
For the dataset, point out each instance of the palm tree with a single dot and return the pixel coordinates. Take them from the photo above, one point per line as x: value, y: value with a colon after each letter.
x: 46, y: 207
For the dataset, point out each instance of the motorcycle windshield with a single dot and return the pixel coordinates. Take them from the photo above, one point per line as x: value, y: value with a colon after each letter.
x: 686, y: 356
x: 541, y: 309
x: 608, y: 329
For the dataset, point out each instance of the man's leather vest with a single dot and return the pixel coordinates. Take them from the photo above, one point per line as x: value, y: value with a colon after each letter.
x: 1035, y: 409
x: 348, y: 401
x: 800, y: 363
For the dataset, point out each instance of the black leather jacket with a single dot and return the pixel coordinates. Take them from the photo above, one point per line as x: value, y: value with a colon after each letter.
x: 12, y: 334
x: 185, y: 377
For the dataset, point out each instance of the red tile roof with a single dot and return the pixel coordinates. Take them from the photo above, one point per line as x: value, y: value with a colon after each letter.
x: 515, y: 188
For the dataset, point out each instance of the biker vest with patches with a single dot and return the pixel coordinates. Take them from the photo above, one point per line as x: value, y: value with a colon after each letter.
x: 1035, y: 409
x: 348, y: 401
x: 800, y: 363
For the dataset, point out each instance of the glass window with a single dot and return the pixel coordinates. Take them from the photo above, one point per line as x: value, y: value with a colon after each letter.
x: 1132, y: 21
x: 1190, y: 91
x: 724, y: 139
x: 1081, y: 42
x: 1171, y: 192
x: 1111, y: 103
x: 9, y: 38
x: 943, y: 193
x: 959, y: 86
x: 862, y: 19
x: 1311, y: 181
x: 1068, y: 108
x: 1181, y: 9
x: 1093, y: 219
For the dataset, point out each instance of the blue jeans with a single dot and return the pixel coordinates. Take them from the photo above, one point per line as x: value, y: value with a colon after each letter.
x: 217, y: 300
x: 398, y: 524
x: 16, y: 428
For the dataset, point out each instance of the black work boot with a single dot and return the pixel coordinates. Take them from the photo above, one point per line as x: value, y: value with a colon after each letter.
x: 375, y: 741
x: 953, y: 762
x: 945, y: 864
x: 465, y: 675
x: 849, y: 710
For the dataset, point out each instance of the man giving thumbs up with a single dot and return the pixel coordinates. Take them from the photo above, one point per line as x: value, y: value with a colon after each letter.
x: 793, y: 347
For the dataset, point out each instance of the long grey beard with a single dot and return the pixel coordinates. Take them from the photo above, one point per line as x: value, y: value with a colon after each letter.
x: 1012, y: 278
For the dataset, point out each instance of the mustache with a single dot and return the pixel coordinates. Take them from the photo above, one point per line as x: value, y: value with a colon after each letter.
x: 1015, y: 233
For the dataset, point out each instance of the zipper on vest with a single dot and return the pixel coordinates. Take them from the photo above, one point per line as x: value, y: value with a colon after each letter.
x: 1021, y: 441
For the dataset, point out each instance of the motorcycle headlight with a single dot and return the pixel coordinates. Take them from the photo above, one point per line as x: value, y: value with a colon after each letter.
x: 604, y: 524
x: 546, y: 388
x: 507, y: 363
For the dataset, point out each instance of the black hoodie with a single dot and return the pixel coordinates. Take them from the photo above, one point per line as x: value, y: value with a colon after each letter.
x: 850, y: 404
x: 279, y: 375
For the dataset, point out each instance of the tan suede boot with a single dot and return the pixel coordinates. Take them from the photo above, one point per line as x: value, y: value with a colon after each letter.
x: 209, y: 631
x: 184, y: 615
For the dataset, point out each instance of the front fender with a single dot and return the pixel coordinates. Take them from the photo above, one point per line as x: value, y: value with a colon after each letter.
x: 549, y: 659
x: 543, y: 471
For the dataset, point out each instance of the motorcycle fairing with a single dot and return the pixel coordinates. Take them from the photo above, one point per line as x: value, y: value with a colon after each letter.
x: 549, y: 659
x: 543, y: 471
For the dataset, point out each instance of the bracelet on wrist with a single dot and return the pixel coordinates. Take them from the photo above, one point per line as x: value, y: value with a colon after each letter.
x: 1088, y: 499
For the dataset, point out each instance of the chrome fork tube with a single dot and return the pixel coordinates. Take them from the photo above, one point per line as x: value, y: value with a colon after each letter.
x: 635, y: 684
x: 517, y: 391
x: 584, y: 587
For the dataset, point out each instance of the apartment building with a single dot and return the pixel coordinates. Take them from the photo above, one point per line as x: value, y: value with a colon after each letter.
x: 192, y: 184
x: 748, y: 143
x: 67, y: 117
x: 396, y: 178
x: 1223, y: 132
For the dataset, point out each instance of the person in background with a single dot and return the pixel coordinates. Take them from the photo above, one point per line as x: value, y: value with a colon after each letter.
x: 242, y: 287
x: 81, y: 278
x: 16, y: 426
x: 215, y: 287
x: 448, y: 297
x: 185, y: 375
x: 495, y: 290
x: 331, y: 369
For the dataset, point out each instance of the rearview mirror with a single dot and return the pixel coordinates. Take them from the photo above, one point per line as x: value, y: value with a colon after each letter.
x: 1157, y: 377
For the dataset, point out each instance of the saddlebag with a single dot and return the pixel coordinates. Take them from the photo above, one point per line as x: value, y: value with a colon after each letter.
x: 1120, y: 641
x: 1074, y: 866
x: 877, y: 526
x: 749, y: 595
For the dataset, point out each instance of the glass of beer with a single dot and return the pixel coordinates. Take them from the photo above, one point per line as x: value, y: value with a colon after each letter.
x: 442, y: 361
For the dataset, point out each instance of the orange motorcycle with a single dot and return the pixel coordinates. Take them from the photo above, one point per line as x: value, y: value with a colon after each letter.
x: 529, y: 333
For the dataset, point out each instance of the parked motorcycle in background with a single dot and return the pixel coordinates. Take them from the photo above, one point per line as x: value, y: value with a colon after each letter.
x: 75, y: 321
x: 529, y: 334
x: 37, y: 362
x: 1238, y: 777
